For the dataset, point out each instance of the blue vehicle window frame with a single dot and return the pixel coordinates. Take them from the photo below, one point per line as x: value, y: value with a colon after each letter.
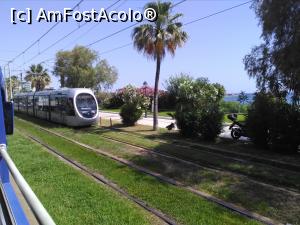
x: 8, y: 191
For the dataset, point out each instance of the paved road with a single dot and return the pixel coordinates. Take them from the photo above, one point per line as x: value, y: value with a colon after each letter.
x: 162, y: 122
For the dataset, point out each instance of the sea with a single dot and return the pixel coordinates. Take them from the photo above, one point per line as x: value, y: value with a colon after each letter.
x: 234, y: 97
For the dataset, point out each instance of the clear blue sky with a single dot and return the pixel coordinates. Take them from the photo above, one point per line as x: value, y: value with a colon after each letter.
x: 215, y: 48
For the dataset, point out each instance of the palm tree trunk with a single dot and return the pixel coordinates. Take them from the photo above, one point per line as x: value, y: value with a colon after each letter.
x: 155, y: 113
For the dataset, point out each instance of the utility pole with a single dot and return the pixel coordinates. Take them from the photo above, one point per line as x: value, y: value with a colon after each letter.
x: 10, y: 87
x: 4, y: 71
x: 21, y: 75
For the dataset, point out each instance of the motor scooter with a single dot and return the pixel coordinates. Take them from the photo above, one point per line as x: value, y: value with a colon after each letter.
x: 237, y: 128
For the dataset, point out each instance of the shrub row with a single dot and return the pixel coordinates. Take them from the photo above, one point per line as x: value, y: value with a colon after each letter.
x: 274, y: 123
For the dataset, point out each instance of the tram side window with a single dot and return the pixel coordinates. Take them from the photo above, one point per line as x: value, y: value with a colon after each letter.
x: 30, y: 101
x: 52, y: 103
x: 36, y: 103
x: 23, y: 103
x: 61, y: 104
x: 45, y: 100
x: 56, y: 104
x: 69, y: 107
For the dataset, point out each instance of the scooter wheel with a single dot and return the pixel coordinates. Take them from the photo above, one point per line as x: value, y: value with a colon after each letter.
x: 236, y: 133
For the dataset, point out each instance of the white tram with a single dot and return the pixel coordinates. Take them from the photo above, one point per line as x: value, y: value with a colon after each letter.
x: 70, y: 106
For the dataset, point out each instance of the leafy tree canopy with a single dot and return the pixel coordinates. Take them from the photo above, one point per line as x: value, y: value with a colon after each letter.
x: 81, y: 67
x: 276, y: 63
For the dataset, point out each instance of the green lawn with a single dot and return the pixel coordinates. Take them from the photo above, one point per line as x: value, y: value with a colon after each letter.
x: 161, y: 113
x: 69, y: 196
x: 180, y: 204
x: 252, y: 196
x: 257, y: 171
x: 241, y: 118
x: 165, y: 113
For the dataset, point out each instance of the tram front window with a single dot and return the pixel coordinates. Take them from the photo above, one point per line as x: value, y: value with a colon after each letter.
x: 86, y: 105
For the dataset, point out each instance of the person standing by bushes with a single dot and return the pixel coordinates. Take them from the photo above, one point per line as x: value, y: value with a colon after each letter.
x: 198, y: 110
x: 134, y: 103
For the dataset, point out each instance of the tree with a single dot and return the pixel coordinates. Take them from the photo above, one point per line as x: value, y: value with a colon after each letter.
x: 38, y: 76
x: 275, y: 63
x: 106, y: 75
x: 15, y: 85
x: 81, y: 68
x: 242, y: 98
x: 155, y: 38
x: 75, y: 68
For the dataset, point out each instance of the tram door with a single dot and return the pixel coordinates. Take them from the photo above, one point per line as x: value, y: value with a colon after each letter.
x: 57, y: 108
x: 63, y: 109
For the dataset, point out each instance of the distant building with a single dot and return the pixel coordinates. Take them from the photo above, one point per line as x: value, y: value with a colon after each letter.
x: 26, y: 86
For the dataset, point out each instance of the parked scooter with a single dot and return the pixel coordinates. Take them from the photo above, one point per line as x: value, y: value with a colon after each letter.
x: 237, y: 129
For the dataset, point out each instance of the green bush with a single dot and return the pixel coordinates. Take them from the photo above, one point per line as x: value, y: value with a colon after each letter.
x: 166, y: 101
x: 134, y: 104
x: 274, y: 123
x: 103, y: 98
x: 285, y: 128
x: 259, y: 120
x: 115, y: 101
x: 198, y: 111
x: 130, y: 114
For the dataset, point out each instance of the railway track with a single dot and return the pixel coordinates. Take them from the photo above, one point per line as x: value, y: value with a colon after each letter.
x: 204, y: 164
x: 167, y: 156
x: 229, y: 206
x: 101, y: 179
x: 220, y: 152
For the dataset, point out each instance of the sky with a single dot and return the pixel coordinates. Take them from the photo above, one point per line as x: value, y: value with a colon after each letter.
x: 215, y: 48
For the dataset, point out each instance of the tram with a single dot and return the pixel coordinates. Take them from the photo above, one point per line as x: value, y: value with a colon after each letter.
x: 70, y: 106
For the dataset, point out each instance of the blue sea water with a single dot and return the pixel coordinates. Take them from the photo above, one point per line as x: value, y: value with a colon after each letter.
x: 234, y: 97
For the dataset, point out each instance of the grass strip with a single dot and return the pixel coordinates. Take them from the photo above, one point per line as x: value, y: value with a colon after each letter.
x: 253, y: 196
x: 235, y: 189
x: 69, y: 196
x: 182, y: 205
x: 254, y: 170
x: 224, y: 143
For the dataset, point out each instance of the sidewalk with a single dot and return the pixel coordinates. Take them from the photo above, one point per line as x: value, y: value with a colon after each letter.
x: 162, y: 123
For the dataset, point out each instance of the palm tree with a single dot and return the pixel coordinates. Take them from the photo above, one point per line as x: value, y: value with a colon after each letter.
x: 38, y: 76
x: 156, y: 38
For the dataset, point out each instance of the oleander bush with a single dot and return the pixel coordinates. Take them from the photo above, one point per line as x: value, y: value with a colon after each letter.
x: 130, y: 114
x: 134, y: 104
x: 198, y: 112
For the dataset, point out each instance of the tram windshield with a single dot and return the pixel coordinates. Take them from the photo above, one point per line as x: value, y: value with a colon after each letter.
x: 86, y: 105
